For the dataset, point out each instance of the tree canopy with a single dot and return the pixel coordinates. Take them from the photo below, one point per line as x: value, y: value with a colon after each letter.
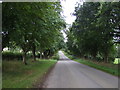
x: 91, y: 35
x: 32, y: 26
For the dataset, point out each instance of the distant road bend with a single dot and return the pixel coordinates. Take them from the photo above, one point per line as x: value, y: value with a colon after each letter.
x: 71, y: 74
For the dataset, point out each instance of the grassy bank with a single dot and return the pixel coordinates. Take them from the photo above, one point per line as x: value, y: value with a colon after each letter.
x: 18, y: 75
x: 106, y: 67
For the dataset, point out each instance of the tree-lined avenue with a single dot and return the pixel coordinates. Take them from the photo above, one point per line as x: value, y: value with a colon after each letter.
x: 70, y: 74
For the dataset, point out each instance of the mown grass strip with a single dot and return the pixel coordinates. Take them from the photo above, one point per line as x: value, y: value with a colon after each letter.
x: 113, y: 71
x: 109, y: 68
x: 18, y: 75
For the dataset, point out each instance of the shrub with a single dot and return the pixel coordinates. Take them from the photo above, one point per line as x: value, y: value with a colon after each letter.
x: 55, y: 56
x: 11, y: 56
x: 117, y: 61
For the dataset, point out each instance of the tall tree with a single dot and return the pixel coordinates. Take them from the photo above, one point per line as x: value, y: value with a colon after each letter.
x: 93, y: 29
x: 32, y: 25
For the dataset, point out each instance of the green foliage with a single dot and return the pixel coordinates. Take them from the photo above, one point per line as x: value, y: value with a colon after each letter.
x: 91, y: 35
x: 117, y: 61
x: 33, y: 26
x: 107, y: 67
x: 118, y: 50
x: 17, y: 75
x: 55, y: 56
x: 11, y: 56
x: 69, y: 55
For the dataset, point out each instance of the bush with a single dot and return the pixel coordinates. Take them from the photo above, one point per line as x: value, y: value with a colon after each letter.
x: 11, y: 56
x: 117, y: 61
x: 55, y: 56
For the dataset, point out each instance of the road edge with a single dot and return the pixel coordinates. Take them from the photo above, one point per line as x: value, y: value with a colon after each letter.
x: 40, y: 81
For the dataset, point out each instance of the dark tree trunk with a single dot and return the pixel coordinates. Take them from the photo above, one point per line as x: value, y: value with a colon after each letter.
x: 46, y: 54
x: 24, y: 57
x: 94, y: 55
x: 106, y: 58
x: 33, y: 51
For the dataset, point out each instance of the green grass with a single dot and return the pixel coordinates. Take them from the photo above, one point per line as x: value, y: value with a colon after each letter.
x: 18, y: 75
x: 112, y: 70
x: 106, y: 67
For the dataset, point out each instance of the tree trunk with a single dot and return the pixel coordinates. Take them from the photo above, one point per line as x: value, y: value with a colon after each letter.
x: 46, y: 54
x: 40, y: 55
x: 94, y: 55
x: 106, y: 58
x: 33, y: 51
x: 24, y: 57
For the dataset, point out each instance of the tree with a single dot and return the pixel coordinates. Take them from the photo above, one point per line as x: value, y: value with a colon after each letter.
x: 84, y: 28
x: 32, y: 26
x: 108, y: 21
x: 92, y: 31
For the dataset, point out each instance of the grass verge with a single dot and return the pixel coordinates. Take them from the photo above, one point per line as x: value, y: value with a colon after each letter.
x: 106, y: 67
x: 18, y: 75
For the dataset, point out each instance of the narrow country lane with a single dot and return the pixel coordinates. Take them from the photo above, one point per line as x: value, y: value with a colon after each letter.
x: 70, y: 74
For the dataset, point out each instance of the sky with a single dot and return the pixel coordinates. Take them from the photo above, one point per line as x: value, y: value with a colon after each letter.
x: 68, y: 7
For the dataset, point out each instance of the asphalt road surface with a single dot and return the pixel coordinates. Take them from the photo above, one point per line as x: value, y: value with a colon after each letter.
x: 71, y: 74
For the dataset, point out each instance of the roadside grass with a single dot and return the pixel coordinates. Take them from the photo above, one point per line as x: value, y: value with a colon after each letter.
x: 17, y: 75
x: 106, y: 67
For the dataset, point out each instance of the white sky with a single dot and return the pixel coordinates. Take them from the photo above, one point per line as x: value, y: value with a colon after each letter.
x: 68, y: 9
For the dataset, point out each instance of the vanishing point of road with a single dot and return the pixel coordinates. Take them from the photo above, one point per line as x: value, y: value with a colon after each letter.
x: 70, y: 74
